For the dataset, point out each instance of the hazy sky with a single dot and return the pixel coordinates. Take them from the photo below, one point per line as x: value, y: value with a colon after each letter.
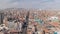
x: 43, y: 4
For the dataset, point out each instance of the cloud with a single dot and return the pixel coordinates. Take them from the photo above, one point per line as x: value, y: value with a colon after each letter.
x: 8, y: 3
x: 43, y: 4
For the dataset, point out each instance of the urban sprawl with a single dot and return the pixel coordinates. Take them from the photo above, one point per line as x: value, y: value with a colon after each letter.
x: 31, y: 21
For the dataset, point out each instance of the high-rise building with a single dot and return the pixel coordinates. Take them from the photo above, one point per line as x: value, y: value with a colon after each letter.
x: 1, y: 18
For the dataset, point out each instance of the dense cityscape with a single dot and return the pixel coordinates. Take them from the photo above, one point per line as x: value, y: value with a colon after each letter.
x: 32, y: 21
